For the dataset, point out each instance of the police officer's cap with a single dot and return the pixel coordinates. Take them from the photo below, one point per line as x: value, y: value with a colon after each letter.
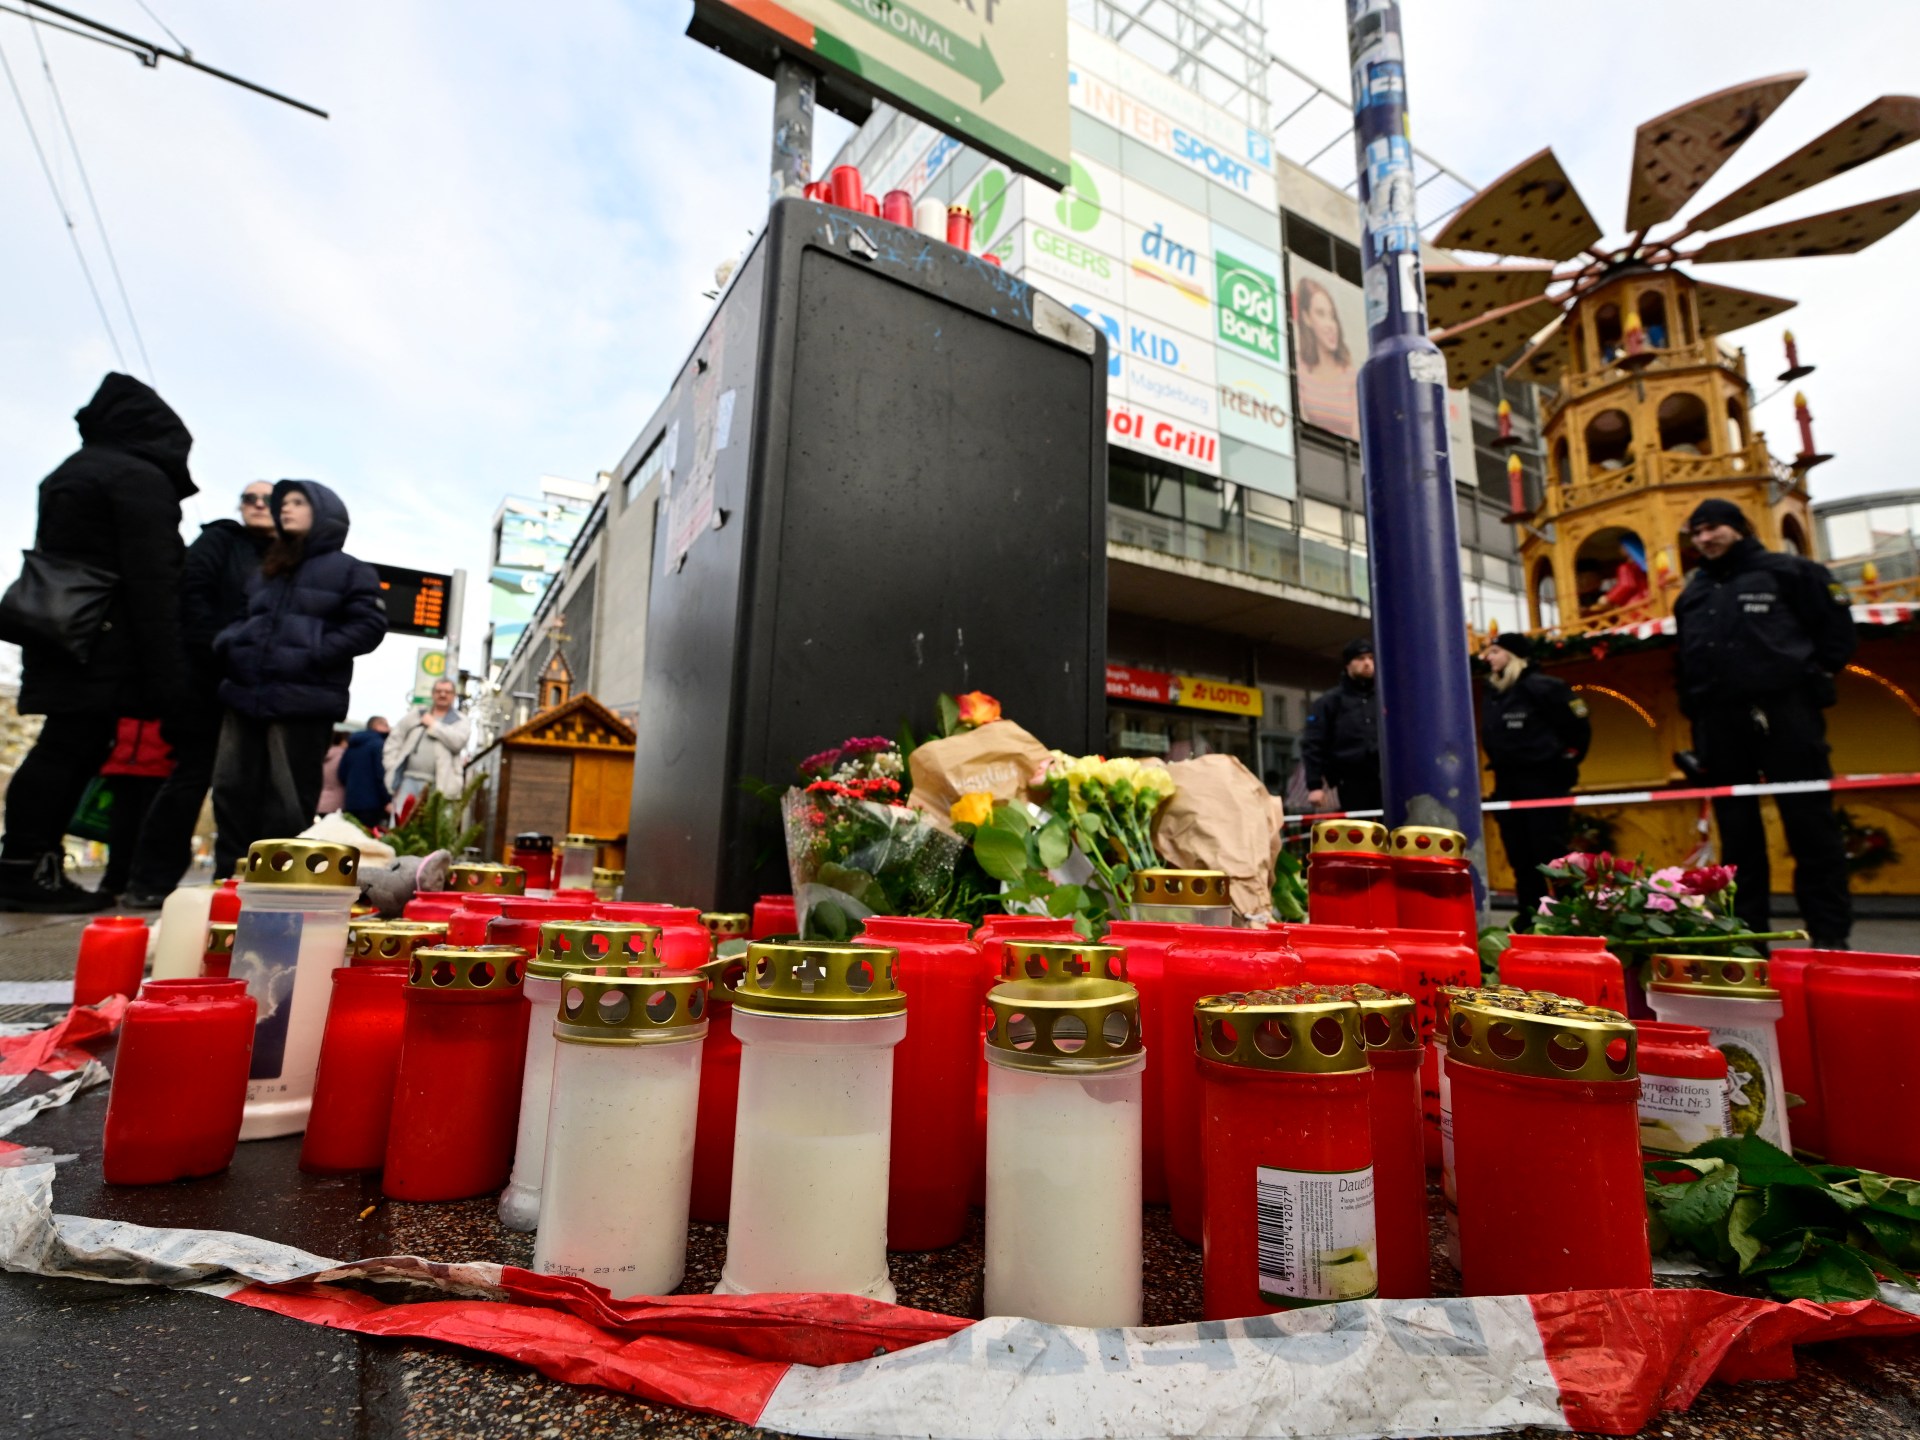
x: 1719, y: 512
x: 1515, y: 643
x: 1354, y: 649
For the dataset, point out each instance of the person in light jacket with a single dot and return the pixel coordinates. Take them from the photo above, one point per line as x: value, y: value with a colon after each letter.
x: 423, y: 752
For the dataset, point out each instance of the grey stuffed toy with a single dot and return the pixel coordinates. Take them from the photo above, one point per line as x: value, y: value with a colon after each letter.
x: 389, y: 887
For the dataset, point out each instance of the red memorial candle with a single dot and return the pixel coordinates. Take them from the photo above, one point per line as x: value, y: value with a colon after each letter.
x: 1433, y: 882
x: 1430, y: 960
x: 179, y: 1081
x: 1341, y: 955
x: 1349, y: 876
x: 684, y: 942
x: 1865, y: 1010
x: 113, y: 956
x: 359, y: 1060
x: 1579, y: 967
x: 774, y: 915
x: 1146, y: 943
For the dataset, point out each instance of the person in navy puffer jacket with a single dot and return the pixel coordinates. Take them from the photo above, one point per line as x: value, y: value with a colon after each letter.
x: 289, y: 665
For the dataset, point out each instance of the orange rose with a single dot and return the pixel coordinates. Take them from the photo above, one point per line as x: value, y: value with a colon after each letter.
x: 978, y: 708
x: 973, y: 808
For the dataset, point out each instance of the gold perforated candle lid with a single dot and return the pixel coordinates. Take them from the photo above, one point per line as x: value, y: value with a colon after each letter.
x: 569, y: 946
x: 472, y: 969
x: 1045, y: 959
x: 301, y: 862
x: 800, y: 977
x: 1427, y: 842
x: 724, y: 973
x: 726, y: 925
x: 1551, y: 1038
x: 1179, y: 887
x: 1066, y: 1022
x: 631, y: 1009
x: 1350, y: 837
x: 1386, y: 1018
x: 473, y: 877
x: 391, y: 942
x: 1728, y: 976
x: 1297, y: 1031
x: 220, y: 937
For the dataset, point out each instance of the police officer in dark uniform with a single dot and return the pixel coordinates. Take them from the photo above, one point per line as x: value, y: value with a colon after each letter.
x: 1341, y: 743
x: 1536, y: 733
x: 1761, y: 637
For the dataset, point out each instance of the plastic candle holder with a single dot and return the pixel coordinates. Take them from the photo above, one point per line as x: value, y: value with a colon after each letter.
x: 180, y: 939
x: 817, y: 1025
x: 1342, y: 955
x: 1546, y: 1146
x: 1181, y: 897
x: 728, y: 931
x: 113, y: 956
x: 1432, y: 881
x: 775, y: 915
x: 179, y: 1082
x: 1064, y: 1059
x: 1579, y: 967
x: 1683, y: 1088
x: 1864, y: 1009
x: 1286, y: 1142
x: 560, y: 948
x: 473, y: 878
x: 992, y: 937
x: 1787, y: 969
x: 391, y: 942
x: 456, y: 1098
x: 1350, y: 875
x: 468, y: 924
x: 533, y: 854
x: 1205, y: 961
x: 216, y: 963
x: 1429, y: 961
x: 359, y: 1059
x: 719, y: 1094
x: 1146, y: 943
x: 684, y: 943
x: 935, y: 1077
x: 439, y: 907
x: 295, y: 902
x: 618, y: 1163
x: 1389, y: 1029
x: 1731, y: 999
x: 578, y: 856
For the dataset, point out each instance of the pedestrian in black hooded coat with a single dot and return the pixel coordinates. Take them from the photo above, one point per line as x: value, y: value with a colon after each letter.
x: 113, y: 504
x: 1536, y: 732
x: 289, y: 667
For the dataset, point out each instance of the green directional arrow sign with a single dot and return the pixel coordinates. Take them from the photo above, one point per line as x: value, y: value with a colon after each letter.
x: 932, y: 38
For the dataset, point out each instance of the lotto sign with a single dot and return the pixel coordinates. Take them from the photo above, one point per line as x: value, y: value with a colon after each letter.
x: 1249, y: 306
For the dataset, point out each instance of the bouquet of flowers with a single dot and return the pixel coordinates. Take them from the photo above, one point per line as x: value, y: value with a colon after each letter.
x: 855, y: 849
x: 1631, y: 906
x: 1106, y: 808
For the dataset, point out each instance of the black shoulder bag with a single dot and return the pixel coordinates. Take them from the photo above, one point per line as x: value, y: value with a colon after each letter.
x: 57, y: 604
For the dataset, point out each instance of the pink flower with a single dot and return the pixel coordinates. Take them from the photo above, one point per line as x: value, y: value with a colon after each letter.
x: 1708, y: 879
x: 1546, y: 906
x: 1662, y: 902
x: 857, y: 745
x: 823, y: 761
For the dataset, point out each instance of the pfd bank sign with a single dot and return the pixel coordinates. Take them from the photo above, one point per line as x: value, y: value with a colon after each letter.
x: 992, y: 72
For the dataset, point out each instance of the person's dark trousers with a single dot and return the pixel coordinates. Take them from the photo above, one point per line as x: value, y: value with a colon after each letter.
x: 1360, y: 792
x: 1781, y: 738
x: 165, y: 847
x: 266, y: 782
x: 50, y: 781
x: 1532, y: 838
x: 372, y: 819
x: 132, y: 795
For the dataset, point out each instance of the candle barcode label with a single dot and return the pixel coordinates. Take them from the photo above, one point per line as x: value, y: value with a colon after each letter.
x: 1316, y: 1235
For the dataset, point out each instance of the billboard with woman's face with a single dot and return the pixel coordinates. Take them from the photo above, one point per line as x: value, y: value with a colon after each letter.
x: 1329, y: 344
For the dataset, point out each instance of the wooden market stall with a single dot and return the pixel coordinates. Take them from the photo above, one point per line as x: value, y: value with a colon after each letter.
x: 567, y: 771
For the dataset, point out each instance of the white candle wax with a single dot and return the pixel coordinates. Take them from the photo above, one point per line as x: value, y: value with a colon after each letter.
x: 520, y: 1201
x: 181, y: 941
x: 1063, y: 1195
x: 618, y: 1163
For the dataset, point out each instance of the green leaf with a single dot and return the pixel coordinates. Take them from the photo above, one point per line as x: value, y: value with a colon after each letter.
x: 1895, y: 1242
x: 1740, y: 1235
x: 949, y: 714
x: 1052, y: 843
x: 1658, y: 926
x: 1703, y: 1204
x: 1790, y: 1208
x: 1878, y: 1187
x: 1782, y: 1257
x: 1011, y: 816
x: 1001, y: 854
x: 906, y: 742
x: 1760, y: 1163
x: 1066, y: 900
x: 1829, y: 1273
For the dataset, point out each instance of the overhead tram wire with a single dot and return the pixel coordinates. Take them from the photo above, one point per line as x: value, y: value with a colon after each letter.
x: 53, y: 185
x: 86, y: 185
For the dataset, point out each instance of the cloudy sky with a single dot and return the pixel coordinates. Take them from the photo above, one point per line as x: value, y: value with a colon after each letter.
x: 488, y: 263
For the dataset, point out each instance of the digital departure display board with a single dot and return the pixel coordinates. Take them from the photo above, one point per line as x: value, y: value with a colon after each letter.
x: 416, y: 601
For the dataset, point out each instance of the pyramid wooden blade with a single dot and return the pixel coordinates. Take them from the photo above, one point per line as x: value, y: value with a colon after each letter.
x: 1881, y: 127
x: 1532, y: 211
x: 1676, y: 153
x: 1476, y: 347
x: 1724, y: 309
x: 1838, y: 232
x: 1545, y: 358
x: 1459, y: 293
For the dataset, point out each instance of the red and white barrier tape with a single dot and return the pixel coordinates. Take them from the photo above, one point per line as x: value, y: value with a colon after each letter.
x: 833, y: 1365
x: 1890, y: 781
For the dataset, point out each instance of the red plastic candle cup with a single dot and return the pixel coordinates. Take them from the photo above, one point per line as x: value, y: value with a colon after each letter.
x: 1788, y: 971
x: 113, y: 956
x: 1433, y: 882
x: 987, y: 257
x: 467, y: 926
x: 1683, y: 1088
x: 774, y: 915
x: 1579, y: 967
x: 897, y: 208
x: 960, y: 227
x: 519, y: 921
x: 1146, y: 943
x: 992, y: 937
x: 216, y: 961
x: 871, y: 204
x: 359, y: 1059
x: 684, y: 943
x: 818, y: 190
x: 533, y: 853
x: 456, y: 1097
x: 1339, y: 955
x: 436, y: 908
x: 719, y: 1095
x: 576, y: 895
x: 1546, y: 1149
x: 1430, y: 960
x: 845, y: 188
x: 1286, y: 1141
x: 1205, y: 960
x: 179, y: 1081
x: 226, y: 902
x: 935, y: 1075
x: 1864, y: 1009
x: 1350, y: 876
x: 1390, y: 1030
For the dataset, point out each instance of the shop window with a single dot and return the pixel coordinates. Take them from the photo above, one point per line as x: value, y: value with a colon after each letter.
x: 1683, y: 424
x: 1609, y: 440
x: 1653, y: 318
